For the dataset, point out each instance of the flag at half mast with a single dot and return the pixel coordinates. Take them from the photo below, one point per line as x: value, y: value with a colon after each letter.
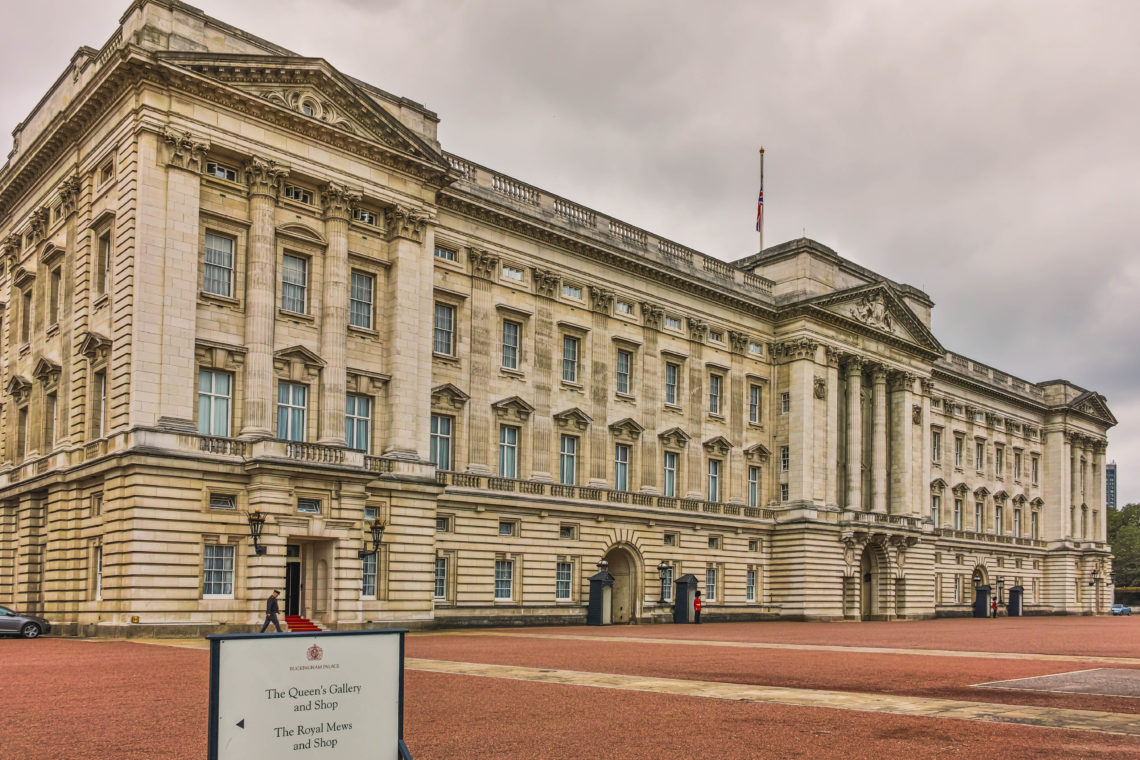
x: 760, y: 209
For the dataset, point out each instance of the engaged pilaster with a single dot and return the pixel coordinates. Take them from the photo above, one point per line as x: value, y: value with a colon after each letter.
x: 879, y: 439
x: 337, y: 201
x: 854, y: 432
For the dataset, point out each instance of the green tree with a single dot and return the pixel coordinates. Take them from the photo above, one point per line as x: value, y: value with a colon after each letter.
x: 1124, y: 538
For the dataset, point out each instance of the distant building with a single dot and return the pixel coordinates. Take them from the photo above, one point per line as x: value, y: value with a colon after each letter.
x: 1110, y: 485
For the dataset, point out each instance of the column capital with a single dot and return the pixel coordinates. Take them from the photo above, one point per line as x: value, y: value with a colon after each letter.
x: 903, y: 380
x: 406, y: 222
x: 484, y: 264
x: 832, y: 355
x: 927, y: 385
x: 337, y: 201
x: 879, y: 374
x: 40, y: 220
x: 184, y: 150
x: 853, y: 363
x: 698, y: 329
x: 263, y: 176
x: 601, y: 299
x: 797, y: 348
x: 738, y: 341
x: 652, y: 314
x: 69, y: 195
x: 546, y: 282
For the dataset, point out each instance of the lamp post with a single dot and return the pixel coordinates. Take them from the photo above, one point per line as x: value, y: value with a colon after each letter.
x: 662, y: 570
x: 1001, y: 586
x: 256, y: 523
x: 602, y: 565
x: 377, y: 531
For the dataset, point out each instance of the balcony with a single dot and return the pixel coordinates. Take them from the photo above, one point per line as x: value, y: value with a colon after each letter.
x: 989, y: 538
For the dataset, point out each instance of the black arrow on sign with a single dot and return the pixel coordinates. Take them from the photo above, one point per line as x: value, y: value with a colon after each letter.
x: 241, y: 723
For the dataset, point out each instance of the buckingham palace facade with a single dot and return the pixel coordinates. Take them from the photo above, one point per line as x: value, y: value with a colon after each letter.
x: 237, y: 283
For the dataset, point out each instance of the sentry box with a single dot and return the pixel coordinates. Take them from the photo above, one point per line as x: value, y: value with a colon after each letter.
x: 339, y: 693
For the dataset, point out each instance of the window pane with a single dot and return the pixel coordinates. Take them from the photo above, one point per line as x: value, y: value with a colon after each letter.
x: 294, y: 280
x: 570, y: 359
x: 444, y: 333
x: 217, y: 275
x: 511, y: 345
x: 360, y: 302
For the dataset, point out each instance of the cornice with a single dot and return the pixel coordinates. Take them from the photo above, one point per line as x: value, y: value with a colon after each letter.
x: 938, y: 373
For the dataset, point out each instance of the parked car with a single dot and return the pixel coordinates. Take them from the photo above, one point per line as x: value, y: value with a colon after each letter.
x: 13, y: 623
x: 1121, y: 609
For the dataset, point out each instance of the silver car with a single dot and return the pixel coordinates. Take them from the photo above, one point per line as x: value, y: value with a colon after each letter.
x: 13, y: 623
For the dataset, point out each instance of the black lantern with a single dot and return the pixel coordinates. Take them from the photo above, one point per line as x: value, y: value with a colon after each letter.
x: 977, y: 579
x: 1001, y: 587
x: 662, y: 569
x: 256, y: 523
x: 377, y: 531
x: 602, y: 565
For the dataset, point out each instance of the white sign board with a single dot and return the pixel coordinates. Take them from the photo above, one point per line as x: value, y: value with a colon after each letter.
x: 330, y: 695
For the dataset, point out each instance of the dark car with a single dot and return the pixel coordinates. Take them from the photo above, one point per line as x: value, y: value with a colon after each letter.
x: 1121, y: 609
x: 13, y: 623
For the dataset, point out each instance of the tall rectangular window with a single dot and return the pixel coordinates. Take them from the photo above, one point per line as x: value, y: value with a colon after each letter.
x: 785, y: 403
x: 440, y: 589
x: 55, y: 295
x: 667, y: 584
x: 22, y: 433
x: 980, y: 456
x: 504, y: 579
x: 218, y: 570
x: 291, y: 406
x: 368, y: 575
x: 361, y: 300
x: 440, y: 450
x: 1033, y: 525
x: 624, y: 371
x: 99, y: 405
x: 51, y: 421
x: 935, y: 446
x: 294, y: 284
x: 785, y: 492
x: 218, y: 267
x: 754, y: 404
x: 999, y: 513
x: 1017, y: 523
x: 511, y: 332
x: 357, y: 421
x: 508, y: 451
x: 621, y: 467
x: 569, y: 359
x: 1033, y: 469
x: 1017, y: 465
x: 103, y: 264
x: 562, y: 575
x: 672, y: 375
x: 785, y: 458
x: 957, y: 514
x: 979, y: 524
x: 715, y: 383
x: 750, y: 586
x: 710, y: 584
x: 958, y: 451
x: 714, y: 480
x: 215, y: 391
x: 568, y: 461
x: 999, y: 461
x: 443, y: 334
x: 936, y: 510
x: 669, y: 482
x: 98, y: 573
x: 753, y: 486
x: 26, y: 315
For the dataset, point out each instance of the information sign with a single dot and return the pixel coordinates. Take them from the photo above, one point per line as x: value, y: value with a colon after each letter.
x: 334, y: 694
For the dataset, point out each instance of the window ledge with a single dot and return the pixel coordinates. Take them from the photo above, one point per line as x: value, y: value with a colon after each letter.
x: 295, y: 316
x: 52, y: 329
x: 364, y: 331
x: 448, y: 358
x: 511, y: 372
x: 757, y: 425
x: 101, y: 301
x: 218, y: 299
x: 717, y: 417
x: 572, y: 386
x: 25, y: 349
x: 625, y: 397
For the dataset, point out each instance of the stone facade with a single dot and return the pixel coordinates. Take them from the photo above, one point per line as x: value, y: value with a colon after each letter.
x: 235, y: 281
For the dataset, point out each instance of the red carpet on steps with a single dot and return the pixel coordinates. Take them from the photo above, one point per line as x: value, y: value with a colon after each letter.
x: 297, y: 624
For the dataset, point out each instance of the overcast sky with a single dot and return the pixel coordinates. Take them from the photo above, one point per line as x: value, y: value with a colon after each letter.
x: 986, y: 152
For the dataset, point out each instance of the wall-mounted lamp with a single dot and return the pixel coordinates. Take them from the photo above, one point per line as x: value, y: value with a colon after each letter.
x: 256, y: 523
x: 376, y: 529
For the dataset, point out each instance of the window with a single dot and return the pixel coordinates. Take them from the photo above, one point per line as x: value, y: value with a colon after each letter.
x: 754, y: 545
x: 669, y: 482
x: 754, y: 404
x: 440, y: 589
x: 512, y: 273
x: 22, y: 433
x: 360, y: 300
x: 715, y: 382
x: 624, y: 371
x: 1033, y: 521
x: 959, y: 444
x: 98, y: 573
x: 215, y: 391
x: 785, y: 403
x: 785, y: 494
x: 357, y: 421
x: 308, y: 110
x: 222, y: 501
x: 106, y: 173
x: 624, y: 307
x: 936, y: 446
x: 368, y: 575
x: 448, y: 254
x: 714, y: 542
x: 670, y: 539
x: 936, y: 510
x: 220, y: 171
x: 998, y: 514
x: 218, y: 268
x: 714, y: 480
x: 443, y: 525
x: 572, y: 291
x: 710, y: 584
x: 103, y: 264
x: 672, y: 323
x: 979, y: 525
x: 26, y: 316
x: 568, y: 461
x: 1017, y: 524
x: 309, y: 506
x: 566, y: 533
x: 999, y: 461
x: 443, y: 341
x: 569, y: 359
x: 957, y: 514
x: 364, y: 216
x: 294, y: 283
x: 508, y: 451
x: 511, y: 332
x: 504, y: 579
x: 51, y: 421
x: 562, y: 575
x: 621, y: 467
x: 957, y: 588
x: 299, y: 194
x: 291, y: 411
x: 55, y: 296
x: 1017, y: 465
x: 755, y: 348
x: 753, y: 486
x: 99, y: 405
x: 440, y: 450
x: 667, y: 584
x: 716, y: 335
x: 1033, y: 469
x: 980, y: 456
x: 785, y: 459
x: 218, y: 570
x: 750, y: 586
x: 672, y: 375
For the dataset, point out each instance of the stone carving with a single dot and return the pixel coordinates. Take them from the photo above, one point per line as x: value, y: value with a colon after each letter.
x: 46, y: 371
x: 263, y: 176
x: 652, y: 315
x: 69, y: 195
x: 546, y: 282
x: 872, y: 310
x: 307, y: 103
x: 820, y: 387
x: 337, y: 201
x: 927, y: 386
x: 448, y: 397
x: 916, y: 414
x: 799, y: 348
x: 833, y: 355
x: 513, y: 408
x: 573, y: 419
x: 39, y: 224
x: 184, y: 151
x: 718, y: 446
x: 601, y: 299
x: 900, y: 545
x: 18, y: 388
x: 674, y: 438
x: 738, y: 341
x: 405, y: 222
x: 484, y: 264
x: 698, y: 329
x: 626, y: 429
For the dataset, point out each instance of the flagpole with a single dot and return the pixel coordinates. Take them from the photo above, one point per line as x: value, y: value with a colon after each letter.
x: 761, y: 225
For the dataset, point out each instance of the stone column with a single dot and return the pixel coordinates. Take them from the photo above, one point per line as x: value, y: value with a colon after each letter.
x: 737, y: 472
x: 831, y: 436
x: 1100, y: 530
x: 484, y: 268
x: 697, y: 409
x: 547, y: 374
x: 1073, y: 514
x: 651, y: 384
x: 854, y: 433
x: 879, y: 439
x: 927, y: 387
x: 800, y: 357
x: 263, y: 178
x: 338, y: 201
x: 902, y: 499
x: 601, y: 389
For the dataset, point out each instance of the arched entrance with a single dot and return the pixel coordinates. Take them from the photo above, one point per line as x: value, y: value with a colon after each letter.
x: 623, y: 568
x: 869, y: 583
x: 983, y: 579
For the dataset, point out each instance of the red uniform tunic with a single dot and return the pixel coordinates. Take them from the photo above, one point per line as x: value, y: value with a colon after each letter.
x: 697, y: 604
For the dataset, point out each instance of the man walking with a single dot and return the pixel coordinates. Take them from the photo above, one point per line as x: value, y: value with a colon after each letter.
x: 271, y: 610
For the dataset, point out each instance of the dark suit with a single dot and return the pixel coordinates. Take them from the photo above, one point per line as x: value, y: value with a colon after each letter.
x: 271, y: 610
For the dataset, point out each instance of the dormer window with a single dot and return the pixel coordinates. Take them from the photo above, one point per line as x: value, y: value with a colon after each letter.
x: 299, y: 194
x: 221, y: 171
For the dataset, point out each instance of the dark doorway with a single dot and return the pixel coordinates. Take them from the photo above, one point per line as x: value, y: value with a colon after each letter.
x: 292, y: 588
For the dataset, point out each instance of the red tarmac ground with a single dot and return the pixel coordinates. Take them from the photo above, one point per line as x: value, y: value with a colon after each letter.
x: 128, y: 701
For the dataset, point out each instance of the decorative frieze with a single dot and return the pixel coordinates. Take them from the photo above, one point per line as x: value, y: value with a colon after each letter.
x: 183, y: 150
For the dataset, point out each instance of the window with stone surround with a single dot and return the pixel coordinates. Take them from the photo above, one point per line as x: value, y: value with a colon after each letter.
x: 754, y: 404
x: 445, y: 253
x: 980, y: 455
x: 716, y: 385
x: 1034, y: 469
x: 103, y: 262
x: 624, y: 371
x: 570, y: 352
x: 512, y: 333
x: 218, y: 266
x: 51, y: 421
x: 568, y: 460
x: 368, y: 573
x: 221, y: 171
x: 292, y: 405
x: 750, y: 585
x: 672, y: 379
x: 785, y: 458
x: 563, y: 575
x: 357, y: 421
x: 439, y: 589
x: 508, y: 451
x: 785, y: 403
x: 217, y: 571
x: 440, y: 444
x: 711, y: 577
x: 753, y: 485
x: 443, y: 335
x: 215, y: 399
x: 504, y: 580
x: 55, y: 295
x: 99, y: 404
x: 714, y: 472
x: 294, y: 284
x: 621, y: 467
x: 26, y: 315
x: 669, y: 481
x: 785, y: 494
x: 936, y: 446
x: 298, y: 194
x: 22, y: 434
x: 361, y: 297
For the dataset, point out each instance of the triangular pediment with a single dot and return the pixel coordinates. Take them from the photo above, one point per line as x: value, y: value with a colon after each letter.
x: 718, y: 446
x: 573, y: 419
x: 309, y: 95
x: 938, y: 484
x: 45, y: 369
x: 880, y: 309
x: 300, y: 355
x: 675, y: 437
x: 757, y: 452
x: 1019, y: 500
x: 93, y: 344
x: 1000, y: 496
x: 1093, y: 405
x: 448, y: 395
x: 627, y: 428
x: 513, y: 408
x: 17, y: 387
x: 1037, y: 502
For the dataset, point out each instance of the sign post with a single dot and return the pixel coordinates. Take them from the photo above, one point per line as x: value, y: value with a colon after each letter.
x: 337, y: 693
